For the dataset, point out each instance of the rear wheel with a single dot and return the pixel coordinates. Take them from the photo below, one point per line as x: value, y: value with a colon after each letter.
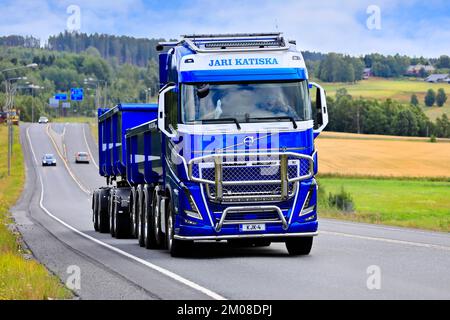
x: 103, y: 210
x: 95, y: 211
x: 150, y: 228
x: 140, y: 216
x: 156, y: 220
x: 299, y: 246
x: 121, y: 217
x: 133, y: 214
x: 112, y: 230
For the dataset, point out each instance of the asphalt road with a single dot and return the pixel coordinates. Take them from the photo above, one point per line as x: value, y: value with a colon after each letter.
x: 412, y: 264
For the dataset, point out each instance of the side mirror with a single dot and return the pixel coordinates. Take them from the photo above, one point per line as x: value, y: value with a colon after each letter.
x: 162, y: 111
x: 322, y: 110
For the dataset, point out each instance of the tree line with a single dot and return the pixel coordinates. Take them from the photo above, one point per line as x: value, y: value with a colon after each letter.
x: 330, y: 67
x: 61, y: 71
x: 389, y: 117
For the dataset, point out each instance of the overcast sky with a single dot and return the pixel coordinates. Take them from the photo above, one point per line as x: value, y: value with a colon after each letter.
x: 407, y: 26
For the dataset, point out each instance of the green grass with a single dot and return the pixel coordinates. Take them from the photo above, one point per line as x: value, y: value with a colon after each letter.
x: 19, y: 278
x: 74, y: 120
x: 93, y: 125
x: 405, y: 203
x: 398, y: 89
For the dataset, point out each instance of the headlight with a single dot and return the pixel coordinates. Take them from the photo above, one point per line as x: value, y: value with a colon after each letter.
x: 309, y: 207
x: 194, y: 212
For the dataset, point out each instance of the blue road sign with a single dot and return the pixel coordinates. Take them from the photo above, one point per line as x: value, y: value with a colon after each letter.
x: 61, y: 96
x: 76, y: 94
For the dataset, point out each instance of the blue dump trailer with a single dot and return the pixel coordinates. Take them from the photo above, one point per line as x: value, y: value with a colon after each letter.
x: 227, y: 154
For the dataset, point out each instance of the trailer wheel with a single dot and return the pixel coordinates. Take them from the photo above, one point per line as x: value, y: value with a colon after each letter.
x: 299, y: 246
x: 133, y: 214
x: 112, y: 230
x: 177, y: 248
x: 95, y: 210
x: 140, y: 220
x: 103, y: 210
x: 121, y: 220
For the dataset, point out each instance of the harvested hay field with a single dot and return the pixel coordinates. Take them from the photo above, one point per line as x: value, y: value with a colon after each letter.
x: 383, y: 156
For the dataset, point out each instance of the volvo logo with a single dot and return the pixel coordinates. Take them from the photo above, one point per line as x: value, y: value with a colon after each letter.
x: 249, y: 141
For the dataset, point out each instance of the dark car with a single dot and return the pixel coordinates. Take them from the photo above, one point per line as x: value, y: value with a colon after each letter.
x: 48, y: 160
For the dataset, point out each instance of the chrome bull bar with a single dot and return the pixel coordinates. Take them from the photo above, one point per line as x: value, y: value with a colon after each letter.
x: 274, y: 159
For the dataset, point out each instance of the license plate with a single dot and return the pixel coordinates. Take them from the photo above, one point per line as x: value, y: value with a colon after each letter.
x: 253, y: 227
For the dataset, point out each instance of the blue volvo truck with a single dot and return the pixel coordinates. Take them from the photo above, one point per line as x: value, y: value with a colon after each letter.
x: 227, y: 154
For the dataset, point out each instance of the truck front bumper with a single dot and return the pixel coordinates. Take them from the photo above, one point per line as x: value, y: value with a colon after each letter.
x: 197, y: 233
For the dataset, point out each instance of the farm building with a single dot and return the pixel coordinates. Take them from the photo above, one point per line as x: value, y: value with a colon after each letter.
x: 415, y: 70
x: 435, y: 78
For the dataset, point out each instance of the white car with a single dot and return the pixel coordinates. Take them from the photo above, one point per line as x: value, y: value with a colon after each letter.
x: 43, y: 120
x: 82, y: 157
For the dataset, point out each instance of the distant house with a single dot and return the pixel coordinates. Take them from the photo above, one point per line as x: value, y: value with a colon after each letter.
x: 435, y: 78
x: 415, y: 70
x: 367, y: 73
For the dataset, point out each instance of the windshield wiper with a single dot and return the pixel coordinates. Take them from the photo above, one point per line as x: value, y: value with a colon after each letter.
x: 279, y: 118
x: 234, y: 120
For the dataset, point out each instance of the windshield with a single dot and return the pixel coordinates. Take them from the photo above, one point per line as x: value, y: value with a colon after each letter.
x: 246, y: 102
x: 49, y: 157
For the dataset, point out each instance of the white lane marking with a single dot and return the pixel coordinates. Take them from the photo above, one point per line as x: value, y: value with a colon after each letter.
x: 384, y: 227
x: 393, y: 241
x: 85, y: 190
x: 89, y: 149
x: 152, y: 266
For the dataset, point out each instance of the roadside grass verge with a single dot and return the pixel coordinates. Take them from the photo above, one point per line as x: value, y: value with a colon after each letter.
x: 20, y: 278
x: 421, y: 204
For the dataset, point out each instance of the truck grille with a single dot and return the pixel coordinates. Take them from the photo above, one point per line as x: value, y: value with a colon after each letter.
x: 251, y: 181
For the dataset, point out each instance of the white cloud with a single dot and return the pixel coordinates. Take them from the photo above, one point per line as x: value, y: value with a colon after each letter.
x: 320, y: 25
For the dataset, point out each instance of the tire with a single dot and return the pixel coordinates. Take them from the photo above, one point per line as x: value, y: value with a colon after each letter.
x: 150, y: 228
x: 111, y: 215
x: 103, y: 210
x: 95, y: 211
x: 121, y: 220
x: 140, y: 220
x: 177, y: 248
x: 133, y: 214
x: 156, y: 220
x: 299, y: 246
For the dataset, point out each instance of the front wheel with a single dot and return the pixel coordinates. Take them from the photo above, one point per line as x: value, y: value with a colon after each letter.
x: 177, y: 248
x: 95, y: 219
x: 299, y: 246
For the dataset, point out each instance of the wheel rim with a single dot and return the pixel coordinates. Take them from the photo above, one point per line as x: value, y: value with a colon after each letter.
x: 169, y: 232
x: 139, y: 223
x: 146, y: 225
x: 156, y: 220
